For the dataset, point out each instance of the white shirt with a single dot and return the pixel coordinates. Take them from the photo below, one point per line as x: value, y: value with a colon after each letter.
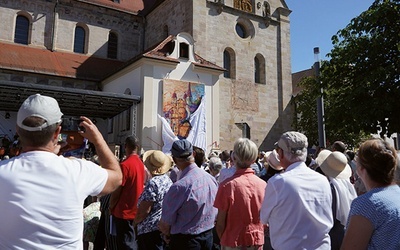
x: 298, y: 208
x: 41, y: 200
x: 345, y: 194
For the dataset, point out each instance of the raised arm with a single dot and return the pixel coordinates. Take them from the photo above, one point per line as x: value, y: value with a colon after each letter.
x: 106, y: 157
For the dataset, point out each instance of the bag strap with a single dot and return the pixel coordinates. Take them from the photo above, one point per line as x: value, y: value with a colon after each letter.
x: 334, y: 201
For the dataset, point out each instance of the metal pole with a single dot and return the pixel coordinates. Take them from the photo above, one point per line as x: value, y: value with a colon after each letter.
x: 320, y: 102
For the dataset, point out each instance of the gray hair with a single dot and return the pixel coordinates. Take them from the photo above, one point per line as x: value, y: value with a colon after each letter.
x: 215, y: 164
x: 188, y: 159
x: 245, y: 152
x: 292, y: 158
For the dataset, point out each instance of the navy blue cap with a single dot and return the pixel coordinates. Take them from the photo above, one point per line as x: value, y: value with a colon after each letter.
x: 181, y: 148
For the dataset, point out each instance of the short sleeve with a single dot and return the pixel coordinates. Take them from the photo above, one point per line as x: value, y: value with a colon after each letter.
x: 223, y: 199
x: 125, y: 173
x: 149, y: 192
x: 94, y: 176
x: 361, y: 206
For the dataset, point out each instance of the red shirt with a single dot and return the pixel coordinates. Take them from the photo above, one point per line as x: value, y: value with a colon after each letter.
x: 132, y: 186
x: 241, y: 197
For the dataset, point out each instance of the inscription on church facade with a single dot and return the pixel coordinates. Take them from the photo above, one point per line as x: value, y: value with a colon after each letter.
x: 244, y: 5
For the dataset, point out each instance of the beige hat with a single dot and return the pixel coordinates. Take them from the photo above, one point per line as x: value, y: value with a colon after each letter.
x: 322, y: 156
x: 272, y: 158
x: 334, y: 165
x: 157, y: 162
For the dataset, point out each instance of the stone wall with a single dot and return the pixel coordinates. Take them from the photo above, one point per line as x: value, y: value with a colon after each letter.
x: 169, y: 18
x: 264, y: 107
x: 99, y: 21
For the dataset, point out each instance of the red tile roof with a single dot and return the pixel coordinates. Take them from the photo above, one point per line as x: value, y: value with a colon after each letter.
x: 43, y: 61
x: 131, y: 6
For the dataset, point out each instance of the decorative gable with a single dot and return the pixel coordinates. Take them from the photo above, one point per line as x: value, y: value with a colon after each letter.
x: 184, y: 49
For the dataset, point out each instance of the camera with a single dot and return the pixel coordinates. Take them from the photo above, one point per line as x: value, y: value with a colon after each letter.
x: 72, y: 124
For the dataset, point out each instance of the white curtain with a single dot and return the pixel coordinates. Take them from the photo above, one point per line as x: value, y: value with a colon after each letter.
x: 168, y: 135
x: 197, y: 135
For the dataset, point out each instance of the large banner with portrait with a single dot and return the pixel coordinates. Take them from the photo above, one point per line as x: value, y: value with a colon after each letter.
x: 183, y: 113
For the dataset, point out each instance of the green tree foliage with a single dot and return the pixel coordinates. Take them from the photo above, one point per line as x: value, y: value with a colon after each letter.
x: 307, y: 117
x: 306, y: 109
x: 360, y: 81
x: 362, y: 78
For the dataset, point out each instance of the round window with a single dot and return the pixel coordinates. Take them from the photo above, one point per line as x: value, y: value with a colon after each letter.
x: 241, y: 30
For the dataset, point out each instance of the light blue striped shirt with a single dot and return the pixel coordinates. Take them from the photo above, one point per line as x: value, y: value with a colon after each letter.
x: 188, y: 205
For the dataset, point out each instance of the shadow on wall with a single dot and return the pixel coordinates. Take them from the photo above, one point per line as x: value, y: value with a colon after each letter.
x: 281, y: 125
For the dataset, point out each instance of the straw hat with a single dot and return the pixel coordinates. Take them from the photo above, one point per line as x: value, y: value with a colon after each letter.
x: 272, y: 158
x: 334, y: 164
x: 157, y: 162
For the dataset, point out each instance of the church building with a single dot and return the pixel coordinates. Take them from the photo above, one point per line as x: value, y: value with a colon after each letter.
x: 210, y: 71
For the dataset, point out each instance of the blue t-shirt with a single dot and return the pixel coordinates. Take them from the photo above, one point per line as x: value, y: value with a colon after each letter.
x: 381, y: 206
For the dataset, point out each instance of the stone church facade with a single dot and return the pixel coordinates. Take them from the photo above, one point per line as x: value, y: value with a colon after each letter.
x: 249, y: 38
x: 262, y: 105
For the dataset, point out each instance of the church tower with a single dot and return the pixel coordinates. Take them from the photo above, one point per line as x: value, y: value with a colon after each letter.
x: 251, y: 40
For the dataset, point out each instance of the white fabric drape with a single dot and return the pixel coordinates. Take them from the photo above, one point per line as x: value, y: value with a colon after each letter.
x: 168, y: 135
x: 197, y: 135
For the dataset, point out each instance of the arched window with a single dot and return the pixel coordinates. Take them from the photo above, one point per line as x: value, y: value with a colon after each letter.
x: 112, y: 45
x: 79, y: 40
x: 229, y: 63
x: 21, y: 30
x: 184, y: 50
x: 259, y: 69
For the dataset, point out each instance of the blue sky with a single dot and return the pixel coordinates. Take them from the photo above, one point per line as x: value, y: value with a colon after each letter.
x: 314, y: 22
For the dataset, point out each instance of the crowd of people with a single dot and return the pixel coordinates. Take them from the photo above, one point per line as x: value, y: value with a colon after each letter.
x: 233, y: 200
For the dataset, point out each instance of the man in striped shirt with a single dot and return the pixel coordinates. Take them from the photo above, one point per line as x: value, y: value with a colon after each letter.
x: 188, y: 214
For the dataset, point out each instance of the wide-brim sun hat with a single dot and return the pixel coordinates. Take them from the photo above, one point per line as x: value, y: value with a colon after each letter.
x: 157, y: 162
x: 335, y: 165
x: 322, y: 156
x: 273, y: 160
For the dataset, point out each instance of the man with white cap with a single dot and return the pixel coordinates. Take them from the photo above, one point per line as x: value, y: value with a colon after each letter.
x: 42, y: 194
x: 298, y: 202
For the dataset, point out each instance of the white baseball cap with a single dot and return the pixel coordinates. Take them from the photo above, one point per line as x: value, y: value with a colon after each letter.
x: 44, y: 107
x: 294, y: 142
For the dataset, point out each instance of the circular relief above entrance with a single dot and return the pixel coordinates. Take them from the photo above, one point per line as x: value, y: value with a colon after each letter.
x: 244, y: 28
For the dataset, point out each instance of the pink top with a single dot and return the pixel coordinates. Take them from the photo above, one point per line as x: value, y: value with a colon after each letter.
x: 241, y: 197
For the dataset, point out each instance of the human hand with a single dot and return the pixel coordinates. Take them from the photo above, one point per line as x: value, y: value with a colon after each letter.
x: 90, y: 130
